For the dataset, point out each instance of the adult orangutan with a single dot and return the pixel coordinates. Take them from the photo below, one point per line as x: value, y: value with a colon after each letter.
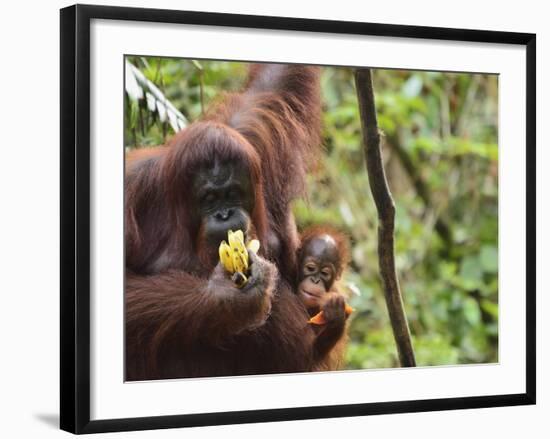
x: 237, y: 168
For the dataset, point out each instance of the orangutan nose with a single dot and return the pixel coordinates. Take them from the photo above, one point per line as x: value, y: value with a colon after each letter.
x: 224, y: 214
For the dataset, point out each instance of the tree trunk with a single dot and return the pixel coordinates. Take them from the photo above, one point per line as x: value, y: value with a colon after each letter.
x: 386, y: 217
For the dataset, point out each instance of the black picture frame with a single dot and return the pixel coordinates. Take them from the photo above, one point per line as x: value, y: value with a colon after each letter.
x: 75, y: 217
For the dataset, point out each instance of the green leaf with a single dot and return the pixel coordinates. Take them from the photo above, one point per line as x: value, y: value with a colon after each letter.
x: 490, y: 308
x: 472, y: 312
x: 470, y: 272
x: 412, y: 86
x: 197, y: 64
x: 488, y: 257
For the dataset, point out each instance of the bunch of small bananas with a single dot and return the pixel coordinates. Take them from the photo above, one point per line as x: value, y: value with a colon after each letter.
x: 234, y: 256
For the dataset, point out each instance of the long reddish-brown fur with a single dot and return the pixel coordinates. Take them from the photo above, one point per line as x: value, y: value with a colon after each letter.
x: 181, y: 321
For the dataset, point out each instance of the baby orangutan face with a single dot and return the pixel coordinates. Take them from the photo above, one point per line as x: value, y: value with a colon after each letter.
x: 320, y: 266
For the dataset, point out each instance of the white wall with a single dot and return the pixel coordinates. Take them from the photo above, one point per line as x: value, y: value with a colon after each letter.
x: 29, y: 203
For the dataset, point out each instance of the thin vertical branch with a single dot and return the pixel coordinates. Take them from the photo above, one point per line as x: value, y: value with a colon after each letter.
x: 386, y: 217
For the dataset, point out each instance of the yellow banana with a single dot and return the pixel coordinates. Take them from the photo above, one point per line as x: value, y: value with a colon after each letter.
x: 235, y: 238
x: 238, y: 263
x: 234, y: 255
x: 236, y: 242
x: 226, y: 257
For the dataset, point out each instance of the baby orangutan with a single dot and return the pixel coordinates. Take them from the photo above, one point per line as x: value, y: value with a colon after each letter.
x: 322, y: 257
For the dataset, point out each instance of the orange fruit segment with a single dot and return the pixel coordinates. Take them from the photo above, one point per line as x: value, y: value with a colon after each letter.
x: 319, y: 318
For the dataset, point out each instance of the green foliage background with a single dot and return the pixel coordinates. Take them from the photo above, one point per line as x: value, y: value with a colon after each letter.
x: 441, y: 156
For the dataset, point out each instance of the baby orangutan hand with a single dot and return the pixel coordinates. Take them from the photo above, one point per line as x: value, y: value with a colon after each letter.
x: 334, y: 310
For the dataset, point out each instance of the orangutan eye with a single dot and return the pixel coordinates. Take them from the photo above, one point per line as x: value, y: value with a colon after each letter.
x: 209, y: 197
x: 310, y: 268
x: 234, y: 193
x: 326, y: 273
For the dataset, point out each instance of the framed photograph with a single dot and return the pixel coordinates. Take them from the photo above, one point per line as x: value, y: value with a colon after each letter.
x: 268, y: 218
